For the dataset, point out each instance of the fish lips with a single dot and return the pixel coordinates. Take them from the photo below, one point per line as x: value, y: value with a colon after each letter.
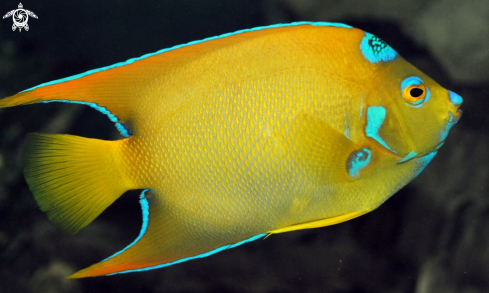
x: 452, y: 120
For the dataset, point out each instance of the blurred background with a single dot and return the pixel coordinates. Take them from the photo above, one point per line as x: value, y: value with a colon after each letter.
x: 432, y: 236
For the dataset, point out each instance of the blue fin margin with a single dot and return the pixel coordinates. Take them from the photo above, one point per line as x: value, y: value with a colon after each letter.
x: 341, y: 25
x: 122, y: 129
x: 145, y: 210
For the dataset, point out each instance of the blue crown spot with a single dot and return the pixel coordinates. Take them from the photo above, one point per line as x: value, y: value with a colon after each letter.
x: 376, y: 50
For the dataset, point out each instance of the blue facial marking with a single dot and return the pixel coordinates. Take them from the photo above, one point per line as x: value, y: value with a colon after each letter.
x: 347, y: 128
x: 444, y: 132
x: 452, y: 120
x: 347, y: 132
x: 376, y: 50
x: 414, y: 80
x: 375, y: 119
x: 455, y: 98
x: 439, y: 146
x: 122, y: 129
x: 145, y: 207
x: 362, y: 106
x: 333, y: 24
x: 424, y: 161
x: 408, y: 157
x: 357, y: 161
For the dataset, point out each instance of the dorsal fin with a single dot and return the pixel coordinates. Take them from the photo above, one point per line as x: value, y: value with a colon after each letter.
x: 101, y: 90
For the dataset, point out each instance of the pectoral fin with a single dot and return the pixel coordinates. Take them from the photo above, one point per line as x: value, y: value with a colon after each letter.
x: 327, y: 155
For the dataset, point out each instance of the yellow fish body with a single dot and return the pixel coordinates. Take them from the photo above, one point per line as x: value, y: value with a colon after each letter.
x: 235, y: 137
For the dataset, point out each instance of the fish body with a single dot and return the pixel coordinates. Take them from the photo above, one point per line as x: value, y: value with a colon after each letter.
x: 231, y: 138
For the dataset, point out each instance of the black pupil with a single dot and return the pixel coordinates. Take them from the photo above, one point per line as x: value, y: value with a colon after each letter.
x: 416, y: 92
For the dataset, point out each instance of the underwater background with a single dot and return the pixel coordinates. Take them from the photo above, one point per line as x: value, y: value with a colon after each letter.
x: 432, y: 236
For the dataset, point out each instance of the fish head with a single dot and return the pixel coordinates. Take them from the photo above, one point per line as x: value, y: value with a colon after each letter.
x: 409, y: 113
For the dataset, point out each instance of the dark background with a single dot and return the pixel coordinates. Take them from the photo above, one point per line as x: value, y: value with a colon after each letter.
x: 432, y: 236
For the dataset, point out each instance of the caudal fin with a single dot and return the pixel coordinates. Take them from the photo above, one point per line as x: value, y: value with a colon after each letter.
x: 74, y: 179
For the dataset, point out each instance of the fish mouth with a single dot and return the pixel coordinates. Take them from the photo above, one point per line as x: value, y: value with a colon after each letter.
x: 414, y: 155
x: 454, y: 118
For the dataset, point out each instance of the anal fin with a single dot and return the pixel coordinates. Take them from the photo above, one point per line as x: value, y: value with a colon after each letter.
x: 164, y: 240
x: 319, y: 223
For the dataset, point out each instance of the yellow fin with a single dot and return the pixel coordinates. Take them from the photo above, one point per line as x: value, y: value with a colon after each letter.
x: 102, y: 91
x: 113, y: 90
x: 322, y: 149
x: 319, y: 223
x: 73, y: 179
x: 166, y: 238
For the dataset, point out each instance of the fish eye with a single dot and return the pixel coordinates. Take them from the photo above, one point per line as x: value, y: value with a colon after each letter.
x: 414, y: 91
x: 414, y: 94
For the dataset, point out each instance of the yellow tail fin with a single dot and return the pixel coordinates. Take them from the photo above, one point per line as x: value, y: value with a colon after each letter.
x: 74, y: 179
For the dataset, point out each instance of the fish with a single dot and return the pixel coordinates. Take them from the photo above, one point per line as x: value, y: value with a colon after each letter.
x: 238, y: 137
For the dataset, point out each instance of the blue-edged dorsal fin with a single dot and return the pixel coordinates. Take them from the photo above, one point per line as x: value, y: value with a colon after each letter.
x: 115, y: 90
x: 106, y: 91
